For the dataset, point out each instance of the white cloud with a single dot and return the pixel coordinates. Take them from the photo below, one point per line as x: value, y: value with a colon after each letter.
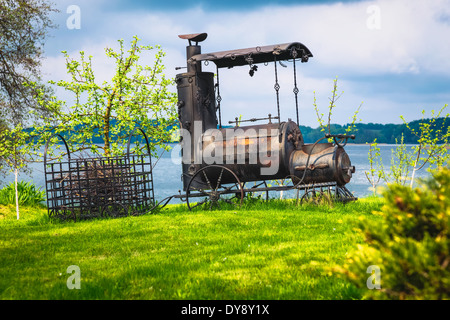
x: 412, y: 39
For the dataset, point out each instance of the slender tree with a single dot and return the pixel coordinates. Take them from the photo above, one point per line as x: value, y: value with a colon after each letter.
x: 432, y: 142
x: 351, y: 127
x: 136, y: 96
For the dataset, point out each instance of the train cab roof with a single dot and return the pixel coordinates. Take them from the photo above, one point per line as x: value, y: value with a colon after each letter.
x: 255, y: 55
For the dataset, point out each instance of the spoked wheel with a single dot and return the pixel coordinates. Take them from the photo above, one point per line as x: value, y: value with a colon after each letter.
x: 344, y: 195
x: 312, y: 196
x: 216, y: 187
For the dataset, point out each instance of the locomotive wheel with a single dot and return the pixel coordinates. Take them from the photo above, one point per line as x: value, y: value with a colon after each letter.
x: 343, y: 196
x: 312, y: 196
x: 217, y: 185
x: 315, y: 196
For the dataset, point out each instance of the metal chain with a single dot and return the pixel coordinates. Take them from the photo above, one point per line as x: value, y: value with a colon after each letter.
x: 296, y: 91
x: 219, y: 99
x: 277, y: 87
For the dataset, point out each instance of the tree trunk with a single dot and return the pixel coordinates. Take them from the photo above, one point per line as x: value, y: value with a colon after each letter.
x: 412, y: 177
x: 106, y: 124
x: 16, y: 173
x: 415, y: 166
x: 281, y: 192
x: 106, y: 136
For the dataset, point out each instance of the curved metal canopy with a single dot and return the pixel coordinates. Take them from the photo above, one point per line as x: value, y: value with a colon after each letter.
x: 240, y: 57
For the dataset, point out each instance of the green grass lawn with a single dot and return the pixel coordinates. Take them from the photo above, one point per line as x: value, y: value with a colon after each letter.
x: 273, y: 250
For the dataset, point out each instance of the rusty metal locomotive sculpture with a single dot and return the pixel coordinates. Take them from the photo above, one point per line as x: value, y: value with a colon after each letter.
x: 219, y: 161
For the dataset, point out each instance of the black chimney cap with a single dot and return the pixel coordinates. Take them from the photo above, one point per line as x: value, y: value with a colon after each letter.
x: 196, y: 37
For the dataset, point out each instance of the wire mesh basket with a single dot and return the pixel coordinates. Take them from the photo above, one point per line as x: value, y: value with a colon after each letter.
x: 92, y: 187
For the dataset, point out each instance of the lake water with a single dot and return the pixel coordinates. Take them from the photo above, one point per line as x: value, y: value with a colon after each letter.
x: 167, y: 174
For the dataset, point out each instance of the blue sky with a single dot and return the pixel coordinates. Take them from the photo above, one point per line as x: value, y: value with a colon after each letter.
x: 389, y: 55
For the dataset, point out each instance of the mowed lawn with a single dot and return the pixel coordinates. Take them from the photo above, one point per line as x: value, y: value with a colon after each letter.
x: 265, y: 250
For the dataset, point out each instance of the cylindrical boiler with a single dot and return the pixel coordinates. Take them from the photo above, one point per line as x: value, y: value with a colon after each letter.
x: 253, y: 153
x: 322, y: 162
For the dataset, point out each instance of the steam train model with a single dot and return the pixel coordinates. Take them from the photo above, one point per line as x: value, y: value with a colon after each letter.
x: 221, y: 164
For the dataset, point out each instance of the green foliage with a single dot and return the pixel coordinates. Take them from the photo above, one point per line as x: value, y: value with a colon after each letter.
x: 351, y: 127
x: 16, y: 151
x: 432, y: 135
x: 410, y: 244
x: 376, y: 169
x: 29, y: 195
x: 136, y: 96
x: 401, y: 160
x: 433, y: 142
x: 432, y: 149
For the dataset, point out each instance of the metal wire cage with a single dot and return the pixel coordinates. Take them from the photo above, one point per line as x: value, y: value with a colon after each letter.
x: 95, y: 187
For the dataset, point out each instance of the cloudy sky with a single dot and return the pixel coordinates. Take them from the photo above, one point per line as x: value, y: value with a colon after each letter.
x: 391, y: 56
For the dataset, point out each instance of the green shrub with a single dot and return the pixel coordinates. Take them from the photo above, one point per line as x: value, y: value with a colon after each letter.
x: 29, y: 194
x: 409, y: 243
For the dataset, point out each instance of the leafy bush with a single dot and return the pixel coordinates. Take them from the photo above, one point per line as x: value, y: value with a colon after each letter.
x: 409, y: 243
x: 28, y: 194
